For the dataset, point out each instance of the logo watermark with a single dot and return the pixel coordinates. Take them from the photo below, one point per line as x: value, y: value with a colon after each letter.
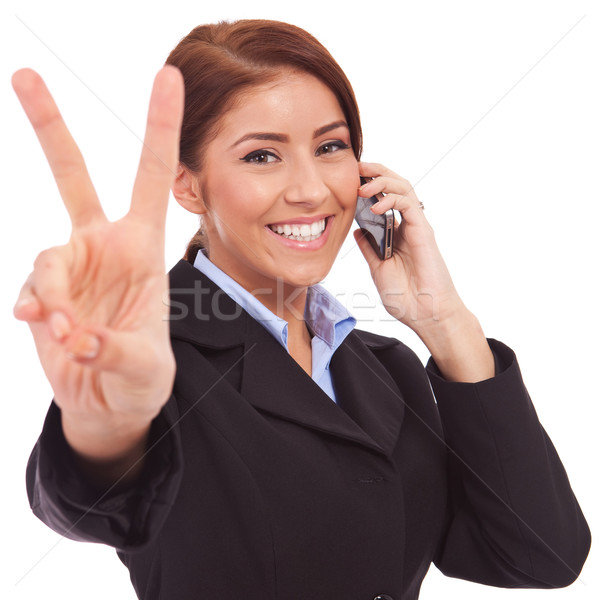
x: 364, y: 305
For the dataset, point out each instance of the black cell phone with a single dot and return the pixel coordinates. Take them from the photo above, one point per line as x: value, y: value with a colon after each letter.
x: 378, y: 229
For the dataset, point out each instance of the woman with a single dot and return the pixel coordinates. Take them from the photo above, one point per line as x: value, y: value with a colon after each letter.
x: 247, y: 440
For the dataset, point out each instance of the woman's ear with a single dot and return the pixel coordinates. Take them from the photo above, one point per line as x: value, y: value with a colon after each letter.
x: 188, y: 192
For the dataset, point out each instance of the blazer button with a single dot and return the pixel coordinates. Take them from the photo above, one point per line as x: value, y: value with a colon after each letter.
x: 383, y: 597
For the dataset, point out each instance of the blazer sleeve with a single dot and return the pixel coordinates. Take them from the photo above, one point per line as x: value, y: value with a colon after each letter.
x: 513, y: 520
x: 127, y: 519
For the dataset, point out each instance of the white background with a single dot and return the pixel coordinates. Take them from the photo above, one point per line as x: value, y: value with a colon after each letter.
x: 491, y: 109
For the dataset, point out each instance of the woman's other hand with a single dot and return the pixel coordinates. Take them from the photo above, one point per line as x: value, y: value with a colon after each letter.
x: 415, y: 285
x: 97, y: 306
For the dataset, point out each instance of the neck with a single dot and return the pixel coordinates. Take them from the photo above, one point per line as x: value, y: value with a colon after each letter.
x: 288, y: 302
x: 285, y: 301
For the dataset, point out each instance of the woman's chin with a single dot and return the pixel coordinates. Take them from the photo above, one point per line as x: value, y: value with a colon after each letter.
x: 305, y: 277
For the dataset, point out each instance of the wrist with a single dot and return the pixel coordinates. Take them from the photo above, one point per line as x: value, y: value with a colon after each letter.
x: 108, y: 450
x: 459, y: 348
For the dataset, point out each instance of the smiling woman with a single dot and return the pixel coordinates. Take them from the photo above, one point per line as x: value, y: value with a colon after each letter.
x: 251, y: 442
x: 221, y: 62
x: 298, y: 172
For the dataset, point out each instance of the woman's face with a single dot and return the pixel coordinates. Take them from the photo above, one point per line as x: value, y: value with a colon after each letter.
x: 279, y: 184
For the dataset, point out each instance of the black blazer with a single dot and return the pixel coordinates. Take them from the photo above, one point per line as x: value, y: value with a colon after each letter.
x: 257, y: 485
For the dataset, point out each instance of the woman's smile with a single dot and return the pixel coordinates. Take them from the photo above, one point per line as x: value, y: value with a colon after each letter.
x: 301, y: 230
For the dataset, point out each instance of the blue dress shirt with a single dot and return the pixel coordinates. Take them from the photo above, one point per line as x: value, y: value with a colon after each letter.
x: 327, y: 319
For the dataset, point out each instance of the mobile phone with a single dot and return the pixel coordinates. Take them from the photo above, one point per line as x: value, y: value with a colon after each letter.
x: 378, y: 229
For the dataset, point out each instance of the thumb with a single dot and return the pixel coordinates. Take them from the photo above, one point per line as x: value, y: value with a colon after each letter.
x: 137, y: 372
x: 103, y: 349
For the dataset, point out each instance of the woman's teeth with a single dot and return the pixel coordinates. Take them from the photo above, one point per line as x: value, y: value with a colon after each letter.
x: 300, y: 233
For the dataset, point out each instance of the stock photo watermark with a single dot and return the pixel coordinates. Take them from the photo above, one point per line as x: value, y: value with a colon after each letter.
x: 204, y: 304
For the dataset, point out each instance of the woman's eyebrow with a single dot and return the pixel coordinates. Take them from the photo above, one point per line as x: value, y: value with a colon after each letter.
x: 329, y: 127
x: 275, y: 137
x: 283, y: 138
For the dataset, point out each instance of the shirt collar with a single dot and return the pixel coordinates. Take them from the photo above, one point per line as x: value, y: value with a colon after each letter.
x: 326, y: 317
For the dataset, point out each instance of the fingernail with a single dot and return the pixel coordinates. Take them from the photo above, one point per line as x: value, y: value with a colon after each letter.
x: 24, y: 302
x: 86, y: 347
x: 21, y: 304
x: 59, y: 324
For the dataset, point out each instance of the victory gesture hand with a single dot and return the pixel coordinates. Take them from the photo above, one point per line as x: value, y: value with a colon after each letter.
x: 97, y: 306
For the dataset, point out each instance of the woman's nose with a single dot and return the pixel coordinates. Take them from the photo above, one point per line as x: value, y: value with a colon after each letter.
x: 306, y: 186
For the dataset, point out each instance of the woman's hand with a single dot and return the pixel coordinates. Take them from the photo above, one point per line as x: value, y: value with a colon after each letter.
x: 97, y: 306
x: 415, y: 285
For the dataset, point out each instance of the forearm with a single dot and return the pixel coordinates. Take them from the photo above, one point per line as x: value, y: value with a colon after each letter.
x: 514, y: 514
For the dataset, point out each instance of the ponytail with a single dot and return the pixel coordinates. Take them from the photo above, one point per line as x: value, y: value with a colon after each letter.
x: 197, y: 243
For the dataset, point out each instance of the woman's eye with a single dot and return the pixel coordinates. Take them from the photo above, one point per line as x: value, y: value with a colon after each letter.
x: 260, y: 157
x: 330, y: 147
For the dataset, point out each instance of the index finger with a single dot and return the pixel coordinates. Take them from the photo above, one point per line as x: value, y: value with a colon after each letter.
x: 160, y: 152
x: 62, y: 153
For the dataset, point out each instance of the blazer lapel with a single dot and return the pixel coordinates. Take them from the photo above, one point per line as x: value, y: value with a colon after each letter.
x: 366, y: 390
x: 201, y: 312
x: 273, y: 382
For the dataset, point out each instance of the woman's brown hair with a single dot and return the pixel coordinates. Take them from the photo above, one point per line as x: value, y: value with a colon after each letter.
x: 220, y: 61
